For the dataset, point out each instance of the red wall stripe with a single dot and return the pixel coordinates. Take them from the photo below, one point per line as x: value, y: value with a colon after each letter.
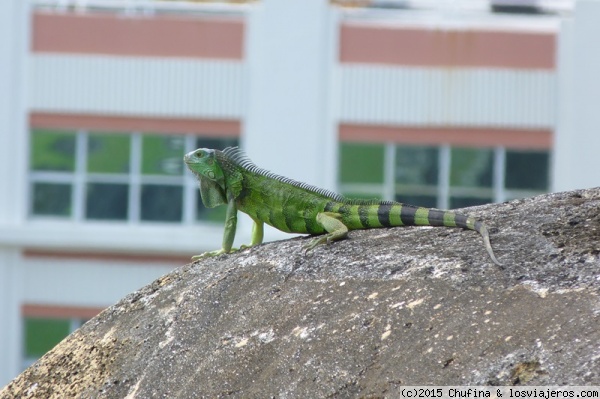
x: 209, y: 127
x: 59, y: 312
x: 447, y: 48
x: 158, y: 35
x: 144, y: 260
x: 458, y: 136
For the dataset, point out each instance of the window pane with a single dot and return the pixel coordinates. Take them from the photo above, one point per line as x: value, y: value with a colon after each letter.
x: 52, y: 150
x: 462, y: 202
x: 216, y: 144
x: 361, y: 163
x: 41, y: 335
x: 108, y: 153
x: 429, y: 201
x: 471, y: 167
x: 162, y: 155
x: 51, y: 199
x: 527, y: 170
x: 417, y: 165
x: 107, y: 201
x: 162, y: 203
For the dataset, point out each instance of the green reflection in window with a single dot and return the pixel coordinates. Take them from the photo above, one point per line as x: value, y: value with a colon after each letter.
x: 52, y: 199
x: 108, y: 153
x: 417, y: 165
x: 162, y: 155
x: 471, y: 167
x: 42, y: 334
x: 52, y: 150
x: 527, y: 170
x: 361, y: 163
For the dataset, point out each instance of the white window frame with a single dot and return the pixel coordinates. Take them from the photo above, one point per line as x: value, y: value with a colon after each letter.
x: 79, y: 178
x: 443, y: 192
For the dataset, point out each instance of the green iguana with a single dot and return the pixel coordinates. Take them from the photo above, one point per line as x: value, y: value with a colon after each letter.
x: 230, y: 177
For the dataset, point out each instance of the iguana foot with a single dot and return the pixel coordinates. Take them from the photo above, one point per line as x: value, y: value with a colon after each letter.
x: 325, y: 239
x: 213, y: 254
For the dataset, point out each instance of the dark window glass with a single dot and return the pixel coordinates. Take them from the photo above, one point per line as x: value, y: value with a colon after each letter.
x: 52, y: 150
x: 471, y: 167
x: 162, y: 203
x: 51, y: 199
x: 527, y: 170
x: 417, y: 165
x: 361, y: 163
x: 107, y: 201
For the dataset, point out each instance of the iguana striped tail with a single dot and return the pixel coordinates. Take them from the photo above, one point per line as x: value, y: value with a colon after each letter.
x: 437, y: 217
x: 366, y: 214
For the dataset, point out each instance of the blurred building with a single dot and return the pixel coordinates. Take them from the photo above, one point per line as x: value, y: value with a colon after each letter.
x: 437, y: 103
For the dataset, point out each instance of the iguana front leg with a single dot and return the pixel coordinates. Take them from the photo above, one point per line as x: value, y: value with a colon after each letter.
x: 228, y: 234
x: 335, y: 228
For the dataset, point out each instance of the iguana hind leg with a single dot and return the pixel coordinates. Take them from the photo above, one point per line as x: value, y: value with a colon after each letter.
x: 336, y: 229
x: 258, y: 232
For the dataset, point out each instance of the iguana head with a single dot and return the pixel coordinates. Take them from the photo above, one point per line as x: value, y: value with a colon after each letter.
x: 203, y: 163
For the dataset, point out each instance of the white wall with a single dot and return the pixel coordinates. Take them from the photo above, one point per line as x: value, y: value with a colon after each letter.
x: 14, y: 39
x: 576, y: 160
x: 289, y: 127
x: 14, y: 75
x: 11, y: 284
x: 87, y: 283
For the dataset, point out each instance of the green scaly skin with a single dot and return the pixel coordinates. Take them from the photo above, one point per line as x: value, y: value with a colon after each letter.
x: 229, y: 177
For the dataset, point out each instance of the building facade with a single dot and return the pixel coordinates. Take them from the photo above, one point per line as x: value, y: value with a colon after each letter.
x: 442, y: 107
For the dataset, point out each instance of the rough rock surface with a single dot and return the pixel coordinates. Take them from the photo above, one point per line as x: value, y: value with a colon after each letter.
x: 359, y: 318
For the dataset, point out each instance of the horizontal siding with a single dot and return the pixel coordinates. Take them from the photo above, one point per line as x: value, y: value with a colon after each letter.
x: 174, y: 87
x: 447, y: 96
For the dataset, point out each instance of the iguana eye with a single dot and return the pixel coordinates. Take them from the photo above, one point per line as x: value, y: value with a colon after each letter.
x: 200, y: 154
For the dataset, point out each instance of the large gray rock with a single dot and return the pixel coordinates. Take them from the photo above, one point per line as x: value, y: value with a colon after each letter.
x: 361, y: 317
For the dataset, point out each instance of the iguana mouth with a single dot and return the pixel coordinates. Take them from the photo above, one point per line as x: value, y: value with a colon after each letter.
x: 188, y: 158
